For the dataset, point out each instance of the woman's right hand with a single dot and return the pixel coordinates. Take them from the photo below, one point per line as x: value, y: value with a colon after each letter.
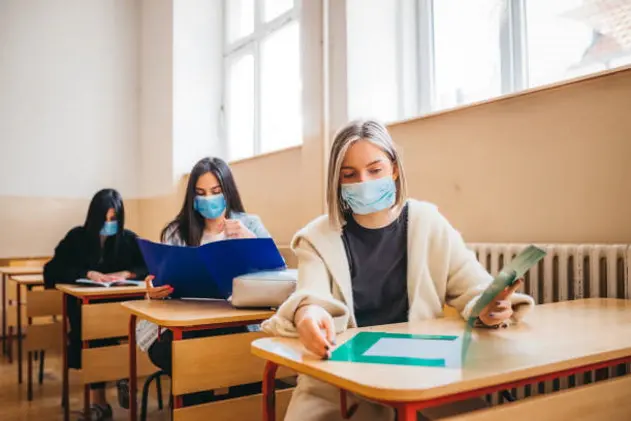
x: 315, y: 330
x: 157, y: 293
x: 98, y: 276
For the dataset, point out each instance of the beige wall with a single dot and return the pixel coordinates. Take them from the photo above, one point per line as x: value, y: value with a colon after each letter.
x: 269, y: 187
x: 547, y: 166
x: 68, y: 115
x: 32, y: 227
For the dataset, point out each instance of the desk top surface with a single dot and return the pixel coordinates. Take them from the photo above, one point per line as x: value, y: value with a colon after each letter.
x: 188, y: 313
x: 81, y: 291
x: 21, y: 270
x: 552, y: 338
x: 28, y: 280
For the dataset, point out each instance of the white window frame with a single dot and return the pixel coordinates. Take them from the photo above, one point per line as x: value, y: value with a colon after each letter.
x: 512, y: 51
x: 251, y: 44
x: 417, y: 97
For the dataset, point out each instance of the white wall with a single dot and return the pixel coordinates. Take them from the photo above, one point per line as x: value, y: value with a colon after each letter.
x: 156, y: 98
x: 68, y: 97
x: 372, y: 38
x: 181, y: 65
x: 197, y: 82
x: 96, y: 93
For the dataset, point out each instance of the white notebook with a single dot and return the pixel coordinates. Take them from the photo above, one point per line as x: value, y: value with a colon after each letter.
x: 120, y: 283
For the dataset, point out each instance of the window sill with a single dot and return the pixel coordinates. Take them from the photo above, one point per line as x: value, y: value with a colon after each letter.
x: 265, y: 155
x: 525, y: 92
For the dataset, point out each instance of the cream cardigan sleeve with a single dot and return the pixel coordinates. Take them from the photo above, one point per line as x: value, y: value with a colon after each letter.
x: 314, y: 287
x: 466, y: 277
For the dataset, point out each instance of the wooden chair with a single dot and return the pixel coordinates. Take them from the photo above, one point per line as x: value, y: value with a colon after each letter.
x: 45, y: 334
x: 11, y: 298
x: 107, y: 363
x: 230, y: 363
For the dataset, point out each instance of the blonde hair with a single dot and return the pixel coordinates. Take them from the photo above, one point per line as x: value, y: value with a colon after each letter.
x: 375, y: 133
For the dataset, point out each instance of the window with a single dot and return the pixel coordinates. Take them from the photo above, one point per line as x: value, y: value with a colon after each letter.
x: 467, y: 60
x: 455, y: 52
x: 569, y: 38
x: 263, y: 83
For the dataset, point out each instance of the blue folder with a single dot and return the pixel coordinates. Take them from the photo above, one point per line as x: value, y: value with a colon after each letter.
x: 207, y: 271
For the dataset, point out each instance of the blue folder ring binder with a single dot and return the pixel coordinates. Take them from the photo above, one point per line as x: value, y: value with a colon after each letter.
x: 207, y: 271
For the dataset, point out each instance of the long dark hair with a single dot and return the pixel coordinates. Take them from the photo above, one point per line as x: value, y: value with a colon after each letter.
x: 102, y: 201
x: 188, y: 223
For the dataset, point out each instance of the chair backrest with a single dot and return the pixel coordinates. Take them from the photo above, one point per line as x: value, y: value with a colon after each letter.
x: 231, y: 363
x: 43, y: 303
x: 102, y: 321
x: 290, y: 257
x: 450, y: 311
x: 108, y: 363
x: 44, y: 335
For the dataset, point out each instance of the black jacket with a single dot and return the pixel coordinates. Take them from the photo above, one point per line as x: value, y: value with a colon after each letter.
x: 77, y: 254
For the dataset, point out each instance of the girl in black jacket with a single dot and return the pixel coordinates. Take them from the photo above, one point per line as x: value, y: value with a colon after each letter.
x: 101, y: 250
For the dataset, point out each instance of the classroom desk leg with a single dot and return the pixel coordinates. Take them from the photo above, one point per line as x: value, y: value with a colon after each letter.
x: 346, y: 413
x: 269, y: 392
x: 18, y: 307
x: 177, y: 336
x: 133, y: 381
x: 406, y: 413
x: 86, y: 387
x: 64, y: 354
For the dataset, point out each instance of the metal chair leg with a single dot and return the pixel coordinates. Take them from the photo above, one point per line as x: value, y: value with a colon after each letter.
x: 145, y: 393
x: 41, y: 366
x: 159, y: 392
x: 9, y: 340
x: 508, y: 396
x: 29, y: 385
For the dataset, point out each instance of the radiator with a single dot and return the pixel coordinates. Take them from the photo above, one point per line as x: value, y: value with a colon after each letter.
x: 568, y: 272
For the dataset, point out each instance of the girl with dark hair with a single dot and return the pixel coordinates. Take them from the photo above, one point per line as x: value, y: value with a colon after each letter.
x: 101, y: 250
x: 212, y: 211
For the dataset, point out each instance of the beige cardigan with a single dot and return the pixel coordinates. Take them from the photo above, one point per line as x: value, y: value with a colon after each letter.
x: 441, y: 269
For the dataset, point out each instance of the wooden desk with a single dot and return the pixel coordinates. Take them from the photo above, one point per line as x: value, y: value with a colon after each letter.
x: 28, y: 282
x: 180, y: 316
x: 86, y: 295
x: 6, y: 272
x: 555, y: 340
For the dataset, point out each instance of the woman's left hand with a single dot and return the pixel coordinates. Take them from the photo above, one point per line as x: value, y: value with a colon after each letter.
x: 235, y: 229
x: 117, y: 276
x: 500, y: 309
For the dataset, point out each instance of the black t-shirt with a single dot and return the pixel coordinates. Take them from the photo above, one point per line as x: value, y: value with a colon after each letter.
x: 378, y: 263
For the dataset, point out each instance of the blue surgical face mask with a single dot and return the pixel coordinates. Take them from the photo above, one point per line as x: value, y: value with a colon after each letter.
x: 370, y: 196
x: 109, y: 228
x: 210, y: 207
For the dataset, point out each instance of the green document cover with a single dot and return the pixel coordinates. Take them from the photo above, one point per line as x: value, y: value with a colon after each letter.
x: 400, y: 349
